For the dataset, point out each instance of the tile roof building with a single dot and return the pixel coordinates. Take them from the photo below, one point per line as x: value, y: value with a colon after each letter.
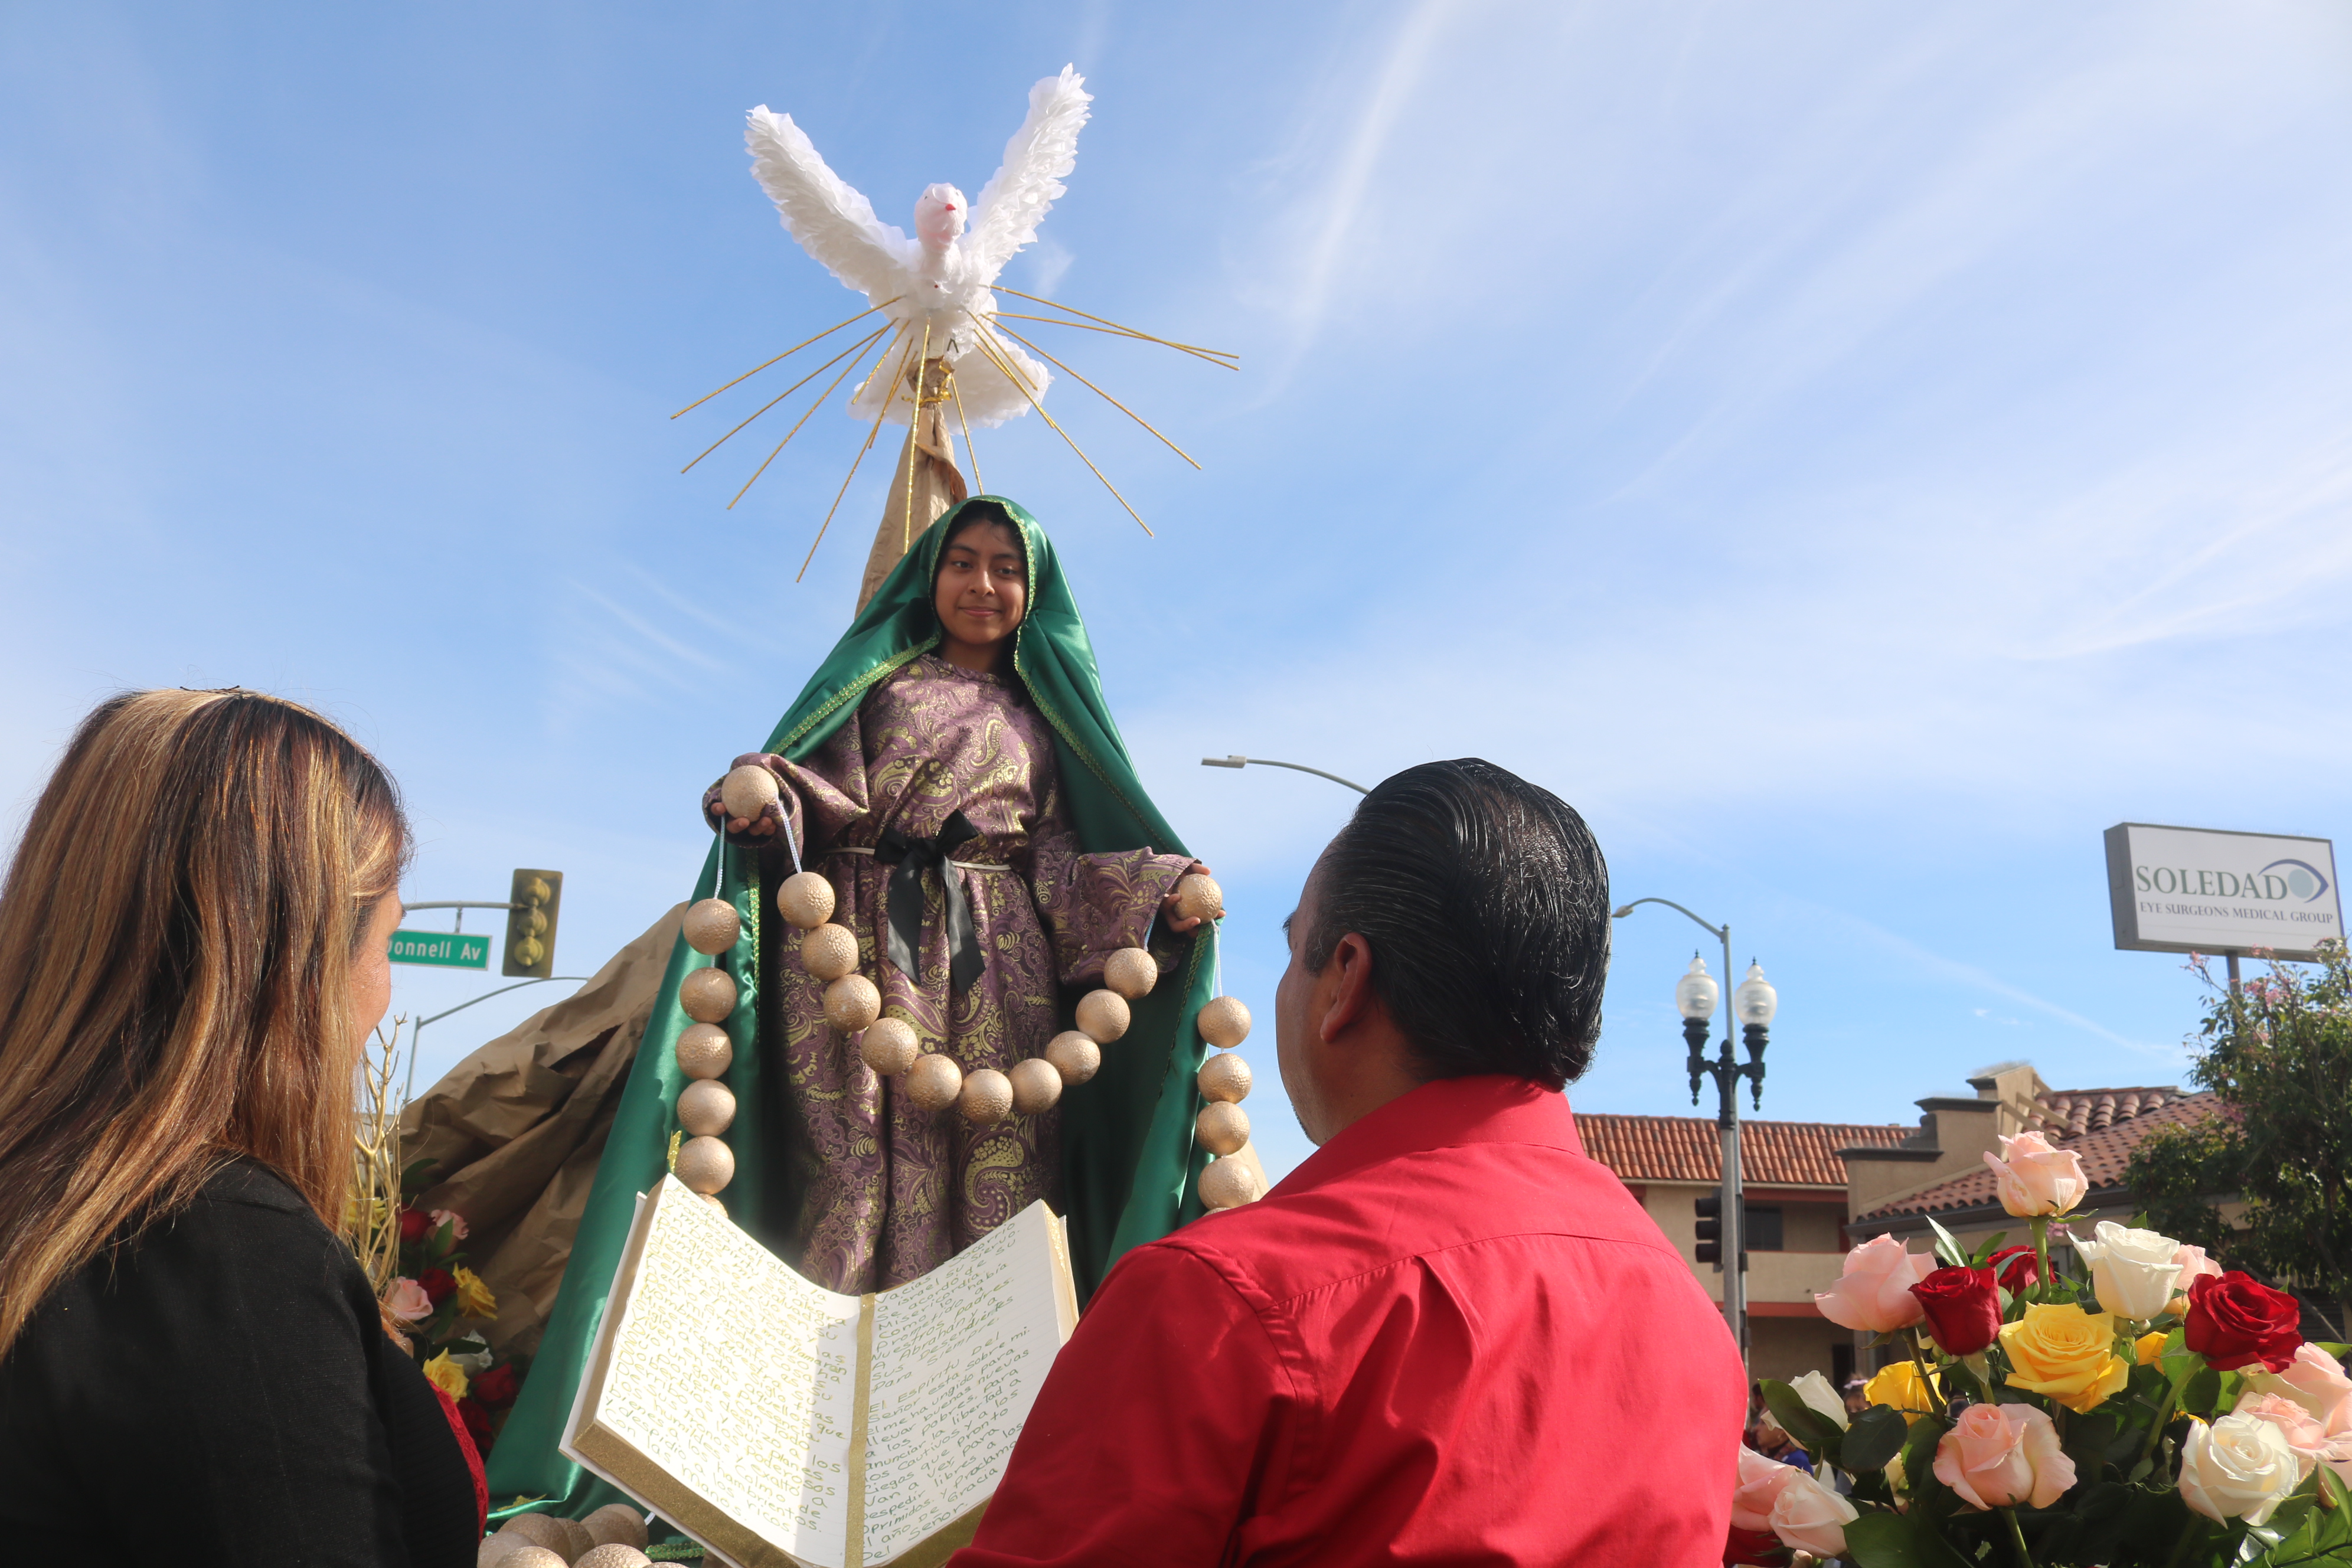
x: 1815, y: 1188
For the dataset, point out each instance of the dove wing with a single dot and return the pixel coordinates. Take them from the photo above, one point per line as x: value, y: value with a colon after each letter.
x: 1045, y: 149
x: 833, y: 223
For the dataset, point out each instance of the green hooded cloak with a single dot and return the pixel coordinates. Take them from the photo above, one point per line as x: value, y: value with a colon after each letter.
x: 1128, y: 1155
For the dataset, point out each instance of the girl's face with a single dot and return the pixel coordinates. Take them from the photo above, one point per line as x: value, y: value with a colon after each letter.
x: 983, y: 589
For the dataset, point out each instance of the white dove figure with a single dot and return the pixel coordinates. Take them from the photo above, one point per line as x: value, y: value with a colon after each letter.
x: 935, y: 286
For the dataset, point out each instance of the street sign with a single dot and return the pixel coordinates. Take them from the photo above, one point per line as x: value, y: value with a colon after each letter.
x: 442, y: 948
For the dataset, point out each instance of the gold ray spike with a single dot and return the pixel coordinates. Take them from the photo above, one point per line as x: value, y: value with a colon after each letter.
x: 1106, y: 320
x: 796, y: 427
x: 1106, y: 396
x: 887, y: 403
x: 857, y: 348
x: 1114, y: 333
x: 914, y: 425
x: 904, y: 327
x: 789, y: 353
x: 971, y: 452
x: 1013, y: 373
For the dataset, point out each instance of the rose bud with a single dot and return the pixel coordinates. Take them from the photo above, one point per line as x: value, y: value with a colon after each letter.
x: 2016, y: 1270
x: 1963, y: 1309
x: 2237, y: 1321
x: 439, y: 1284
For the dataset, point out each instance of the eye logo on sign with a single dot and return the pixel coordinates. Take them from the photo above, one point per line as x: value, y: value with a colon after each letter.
x: 2303, y: 880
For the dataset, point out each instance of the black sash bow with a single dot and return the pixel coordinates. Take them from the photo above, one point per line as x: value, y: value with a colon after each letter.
x: 907, y: 857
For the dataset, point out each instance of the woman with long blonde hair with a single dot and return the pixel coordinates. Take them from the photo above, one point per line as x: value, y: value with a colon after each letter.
x: 192, y: 1366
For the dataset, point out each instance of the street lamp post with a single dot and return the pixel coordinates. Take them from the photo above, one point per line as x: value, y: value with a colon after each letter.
x: 1753, y: 1002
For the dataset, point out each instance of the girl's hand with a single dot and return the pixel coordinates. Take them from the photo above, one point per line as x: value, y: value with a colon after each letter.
x: 714, y: 809
x: 1180, y: 925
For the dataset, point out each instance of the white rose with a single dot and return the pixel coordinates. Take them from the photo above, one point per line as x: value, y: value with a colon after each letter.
x: 1810, y: 1517
x: 2132, y: 1270
x: 1815, y: 1391
x: 2239, y: 1467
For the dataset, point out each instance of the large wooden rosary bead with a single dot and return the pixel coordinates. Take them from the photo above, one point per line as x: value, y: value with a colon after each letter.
x: 613, y: 1554
x: 578, y: 1542
x: 1199, y: 897
x: 1227, y: 1183
x: 706, y: 1165
x: 1221, y: 1127
x: 712, y: 926
x: 1036, y: 1085
x: 934, y: 1081
x: 1224, y: 1079
x: 1224, y: 1022
x: 889, y: 1045
x: 708, y: 995
x: 805, y: 900
x: 616, y: 1523
x: 1132, y: 972
x: 704, y: 1050
x: 851, y: 1002
x: 829, y: 952
x: 985, y: 1097
x: 1074, y: 1056
x: 706, y: 1108
x: 748, y: 791
x: 1103, y: 1016
x: 517, y: 1553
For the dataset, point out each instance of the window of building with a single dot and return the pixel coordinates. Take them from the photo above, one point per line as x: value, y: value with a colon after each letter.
x: 1763, y: 1228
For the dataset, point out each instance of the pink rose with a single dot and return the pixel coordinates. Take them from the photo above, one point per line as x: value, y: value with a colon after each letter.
x: 452, y: 1219
x: 407, y: 1302
x: 1999, y: 1455
x: 1812, y: 1518
x: 2296, y: 1424
x: 2313, y: 1380
x: 2035, y: 1179
x: 1762, y: 1482
x: 1873, y: 1294
x: 2194, y: 1265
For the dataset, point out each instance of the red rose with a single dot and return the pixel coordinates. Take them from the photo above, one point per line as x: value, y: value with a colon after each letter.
x: 1754, y: 1546
x: 497, y: 1388
x: 439, y: 1284
x: 415, y: 1224
x: 2016, y: 1270
x: 1963, y: 1311
x: 2236, y: 1321
x: 477, y: 1416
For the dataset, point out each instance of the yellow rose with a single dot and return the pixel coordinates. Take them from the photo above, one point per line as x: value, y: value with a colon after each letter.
x: 446, y: 1375
x: 2151, y: 1347
x: 474, y: 1298
x: 1896, y: 1385
x: 2065, y: 1352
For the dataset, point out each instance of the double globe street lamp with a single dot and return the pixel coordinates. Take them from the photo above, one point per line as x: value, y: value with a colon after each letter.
x: 1753, y: 1002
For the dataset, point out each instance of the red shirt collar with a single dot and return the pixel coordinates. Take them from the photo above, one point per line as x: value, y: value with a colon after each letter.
x: 1487, y: 1109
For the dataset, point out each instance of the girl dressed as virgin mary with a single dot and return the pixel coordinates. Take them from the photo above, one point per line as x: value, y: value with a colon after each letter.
x: 954, y: 774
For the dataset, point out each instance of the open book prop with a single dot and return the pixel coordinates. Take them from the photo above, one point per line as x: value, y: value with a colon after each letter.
x: 777, y: 1423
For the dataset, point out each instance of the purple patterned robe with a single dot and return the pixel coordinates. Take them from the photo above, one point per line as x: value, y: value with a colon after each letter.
x: 892, y: 1191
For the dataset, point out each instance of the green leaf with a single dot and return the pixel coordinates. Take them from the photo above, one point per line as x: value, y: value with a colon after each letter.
x: 1817, y: 1432
x: 1987, y: 1247
x: 1919, y: 1450
x: 1877, y: 1435
x: 1953, y: 1254
x: 2088, y: 1437
x: 1898, y: 1540
x: 2199, y: 1394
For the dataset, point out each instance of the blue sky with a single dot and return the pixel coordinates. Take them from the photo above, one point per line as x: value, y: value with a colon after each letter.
x: 1853, y: 454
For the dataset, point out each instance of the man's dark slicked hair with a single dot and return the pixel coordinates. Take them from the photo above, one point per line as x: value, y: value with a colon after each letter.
x: 1485, y: 903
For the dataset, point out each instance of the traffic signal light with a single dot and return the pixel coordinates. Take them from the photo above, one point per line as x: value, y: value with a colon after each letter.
x: 1710, y: 1232
x: 530, y: 924
x: 1710, y: 1228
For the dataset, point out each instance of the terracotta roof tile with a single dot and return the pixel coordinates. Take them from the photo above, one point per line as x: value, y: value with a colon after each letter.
x: 2072, y: 1112
x: 2105, y: 1150
x: 1686, y: 1148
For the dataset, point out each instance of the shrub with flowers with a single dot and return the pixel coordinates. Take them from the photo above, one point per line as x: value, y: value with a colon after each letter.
x: 2161, y: 1413
x: 442, y: 1306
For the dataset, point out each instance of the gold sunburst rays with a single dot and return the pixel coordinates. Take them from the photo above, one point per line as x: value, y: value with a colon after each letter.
x: 901, y: 346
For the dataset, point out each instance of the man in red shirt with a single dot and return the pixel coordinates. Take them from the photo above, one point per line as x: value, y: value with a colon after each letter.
x: 1447, y: 1337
